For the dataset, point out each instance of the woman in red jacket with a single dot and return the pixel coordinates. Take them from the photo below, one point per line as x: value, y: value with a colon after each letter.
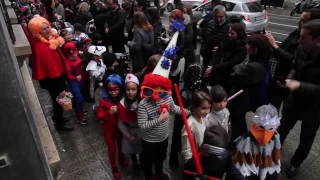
x: 107, y: 111
x: 48, y: 64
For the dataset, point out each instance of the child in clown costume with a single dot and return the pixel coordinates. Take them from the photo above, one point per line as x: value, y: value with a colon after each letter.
x: 127, y: 122
x: 153, y: 113
x: 73, y: 70
x: 257, y: 154
x: 107, y: 111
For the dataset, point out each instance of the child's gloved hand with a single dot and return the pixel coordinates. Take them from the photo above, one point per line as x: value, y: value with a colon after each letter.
x: 101, y: 84
x: 113, y: 110
x: 164, y: 116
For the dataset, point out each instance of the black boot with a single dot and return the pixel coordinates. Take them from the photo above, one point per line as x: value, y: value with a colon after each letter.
x: 64, y: 127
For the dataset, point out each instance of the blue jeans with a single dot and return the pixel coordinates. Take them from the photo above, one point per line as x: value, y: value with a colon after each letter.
x: 75, y: 88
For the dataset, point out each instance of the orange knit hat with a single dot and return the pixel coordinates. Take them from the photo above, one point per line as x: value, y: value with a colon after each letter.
x: 35, y: 27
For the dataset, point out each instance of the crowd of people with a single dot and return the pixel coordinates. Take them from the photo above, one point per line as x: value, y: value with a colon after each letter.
x: 77, y: 47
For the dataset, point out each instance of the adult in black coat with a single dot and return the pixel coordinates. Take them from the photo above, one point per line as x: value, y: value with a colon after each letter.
x: 230, y: 53
x: 114, y: 26
x: 303, y: 103
x: 249, y: 76
x: 214, y: 33
x: 99, y: 22
x: 284, y: 54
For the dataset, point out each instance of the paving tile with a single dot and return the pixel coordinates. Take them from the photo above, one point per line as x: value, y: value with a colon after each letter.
x: 89, y: 160
x: 80, y: 175
x: 82, y: 144
x: 76, y: 166
x: 97, y: 169
x: 96, y: 138
x: 308, y: 175
x: 100, y: 146
x: 86, y: 152
x: 105, y: 176
x: 103, y: 155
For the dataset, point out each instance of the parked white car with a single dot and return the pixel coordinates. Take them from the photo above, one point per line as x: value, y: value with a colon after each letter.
x: 252, y: 14
x: 187, y: 3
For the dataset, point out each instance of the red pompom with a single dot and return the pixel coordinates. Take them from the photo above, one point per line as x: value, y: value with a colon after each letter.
x: 164, y: 106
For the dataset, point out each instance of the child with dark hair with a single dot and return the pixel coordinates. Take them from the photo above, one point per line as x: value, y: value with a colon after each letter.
x: 97, y: 39
x: 200, y: 107
x: 214, y: 157
x: 107, y: 111
x: 219, y: 115
x: 193, y: 81
x: 79, y: 32
x: 151, y: 64
x: 111, y: 62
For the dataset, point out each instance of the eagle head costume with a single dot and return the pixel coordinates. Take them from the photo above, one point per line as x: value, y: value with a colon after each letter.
x: 258, y: 151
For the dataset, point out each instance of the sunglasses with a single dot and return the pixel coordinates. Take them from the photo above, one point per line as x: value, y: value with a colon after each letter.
x: 149, y: 92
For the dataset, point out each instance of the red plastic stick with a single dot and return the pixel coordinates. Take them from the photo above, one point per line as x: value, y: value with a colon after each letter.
x: 190, y: 138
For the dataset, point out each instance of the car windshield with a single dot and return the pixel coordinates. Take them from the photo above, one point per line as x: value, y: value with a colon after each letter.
x: 251, y: 7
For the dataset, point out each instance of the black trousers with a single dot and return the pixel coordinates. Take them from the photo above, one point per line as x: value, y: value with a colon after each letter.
x: 154, y: 153
x: 278, y: 94
x: 55, y: 86
x: 238, y: 108
x: 176, y: 139
x: 309, y: 127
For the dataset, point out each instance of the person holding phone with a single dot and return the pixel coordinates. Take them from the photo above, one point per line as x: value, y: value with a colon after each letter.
x: 303, y: 103
x: 284, y: 54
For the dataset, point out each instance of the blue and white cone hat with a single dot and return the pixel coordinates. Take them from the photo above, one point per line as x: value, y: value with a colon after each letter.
x: 164, y: 65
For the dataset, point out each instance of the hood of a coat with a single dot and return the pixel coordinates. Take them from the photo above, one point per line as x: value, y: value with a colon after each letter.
x: 187, y: 19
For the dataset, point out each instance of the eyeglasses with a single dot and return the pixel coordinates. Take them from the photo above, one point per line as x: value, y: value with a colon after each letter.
x: 149, y: 92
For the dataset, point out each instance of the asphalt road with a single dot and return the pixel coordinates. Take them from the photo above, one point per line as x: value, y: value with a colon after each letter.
x: 279, y: 25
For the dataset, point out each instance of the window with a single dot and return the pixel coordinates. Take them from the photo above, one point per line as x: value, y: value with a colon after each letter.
x: 251, y: 7
x: 229, y: 5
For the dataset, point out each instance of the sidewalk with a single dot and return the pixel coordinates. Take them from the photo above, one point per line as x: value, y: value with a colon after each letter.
x: 84, y: 153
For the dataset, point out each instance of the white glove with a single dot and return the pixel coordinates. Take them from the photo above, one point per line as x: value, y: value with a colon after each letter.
x: 126, y: 34
x: 100, y: 84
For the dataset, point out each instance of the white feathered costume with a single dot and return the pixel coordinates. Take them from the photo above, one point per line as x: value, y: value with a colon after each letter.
x: 258, y: 152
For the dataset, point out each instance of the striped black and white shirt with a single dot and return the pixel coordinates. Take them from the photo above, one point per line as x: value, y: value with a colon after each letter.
x: 151, y: 128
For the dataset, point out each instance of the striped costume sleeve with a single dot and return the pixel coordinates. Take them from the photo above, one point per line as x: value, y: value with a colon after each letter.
x: 176, y: 109
x: 143, y: 119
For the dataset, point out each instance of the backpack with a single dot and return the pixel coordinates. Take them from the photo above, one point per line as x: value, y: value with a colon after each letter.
x: 194, y: 77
